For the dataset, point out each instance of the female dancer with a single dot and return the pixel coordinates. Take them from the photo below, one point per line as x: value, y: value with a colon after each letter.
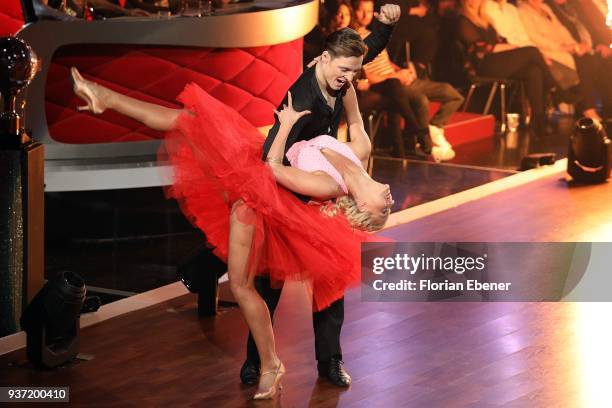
x: 258, y: 228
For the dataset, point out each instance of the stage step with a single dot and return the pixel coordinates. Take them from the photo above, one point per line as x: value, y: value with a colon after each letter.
x: 466, y: 127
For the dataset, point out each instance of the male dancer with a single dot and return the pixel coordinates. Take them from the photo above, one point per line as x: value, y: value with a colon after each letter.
x: 320, y: 89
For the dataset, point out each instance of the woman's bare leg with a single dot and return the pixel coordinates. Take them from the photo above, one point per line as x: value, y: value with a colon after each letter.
x: 251, y: 304
x: 99, y: 98
x: 156, y: 117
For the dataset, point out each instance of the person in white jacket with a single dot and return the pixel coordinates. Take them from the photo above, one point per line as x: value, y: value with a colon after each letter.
x: 506, y: 20
x: 557, y: 44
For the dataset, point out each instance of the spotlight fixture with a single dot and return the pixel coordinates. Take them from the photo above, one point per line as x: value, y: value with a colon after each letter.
x: 590, y: 152
x: 52, y: 321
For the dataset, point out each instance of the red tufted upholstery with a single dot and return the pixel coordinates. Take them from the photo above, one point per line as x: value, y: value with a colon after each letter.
x: 11, y: 17
x: 252, y: 80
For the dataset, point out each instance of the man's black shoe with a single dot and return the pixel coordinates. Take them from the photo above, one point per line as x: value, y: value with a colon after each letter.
x: 334, y: 372
x: 249, y: 373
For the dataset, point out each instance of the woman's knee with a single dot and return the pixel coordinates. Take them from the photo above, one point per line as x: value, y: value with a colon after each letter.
x: 422, y: 100
x: 530, y: 51
x: 534, y: 73
x: 395, y: 89
x: 241, y: 288
x: 451, y: 93
x: 241, y: 212
x: 392, y: 83
x: 536, y: 56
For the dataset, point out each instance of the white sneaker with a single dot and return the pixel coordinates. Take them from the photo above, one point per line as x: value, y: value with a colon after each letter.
x: 441, y: 154
x: 442, y: 149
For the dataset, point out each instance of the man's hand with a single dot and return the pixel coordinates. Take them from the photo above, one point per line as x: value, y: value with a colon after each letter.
x: 406, y: 76
x: 580, y: 49
x: 604, y: 50
x: 315, y: 61
x: 388, y: 14
x: 363, y: 85
x: 501, y: 47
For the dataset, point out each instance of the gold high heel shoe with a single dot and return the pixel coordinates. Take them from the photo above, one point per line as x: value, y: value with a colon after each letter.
x: 271, y: 392
x: 84, y: 90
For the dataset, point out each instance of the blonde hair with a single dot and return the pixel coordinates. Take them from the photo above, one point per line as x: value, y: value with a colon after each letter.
x: 359, y: 219
x: 476, y: 15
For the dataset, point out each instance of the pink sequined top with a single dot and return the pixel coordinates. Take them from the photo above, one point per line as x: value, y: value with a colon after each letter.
x: 306, y: 155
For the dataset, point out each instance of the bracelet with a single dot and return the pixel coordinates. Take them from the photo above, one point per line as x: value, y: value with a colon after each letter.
x: 274, y: 160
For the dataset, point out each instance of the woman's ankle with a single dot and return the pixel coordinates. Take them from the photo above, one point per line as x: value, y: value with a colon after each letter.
x: 105, y: 95
x: 271, y: 364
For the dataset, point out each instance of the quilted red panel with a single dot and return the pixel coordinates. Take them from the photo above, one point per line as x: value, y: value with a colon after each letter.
x: 11, y: 17
x: 252, y: 80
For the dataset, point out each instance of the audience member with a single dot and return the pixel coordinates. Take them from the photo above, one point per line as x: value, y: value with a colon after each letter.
x: 333, y: 15
x: 492, y: 56
x: 410, y: 94
x: 556, y: 43
x: 505, y: 18
x: 419, y: 26
x: 593, y: 14
x: 594, y: 65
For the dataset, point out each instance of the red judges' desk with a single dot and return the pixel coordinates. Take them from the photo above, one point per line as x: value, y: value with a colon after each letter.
x: 247, y: 55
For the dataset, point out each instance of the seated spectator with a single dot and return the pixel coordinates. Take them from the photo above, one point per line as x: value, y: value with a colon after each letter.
x: 341, y: 14
x: 492, y: 56
x: 419, y: 25
x: 507, y: 22
x: 333, y: 15
x: 593, y: 14
x: 505, y: 19
x: 595, y: 65
x: 410, y: 94
x: 558, y: 44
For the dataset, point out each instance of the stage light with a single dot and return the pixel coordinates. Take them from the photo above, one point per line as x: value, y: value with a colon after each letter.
x: 590, y: 152
x: 535, y: 160
x: 52, y: 321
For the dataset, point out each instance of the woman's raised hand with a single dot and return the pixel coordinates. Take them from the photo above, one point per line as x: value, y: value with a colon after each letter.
x: 288, y: 115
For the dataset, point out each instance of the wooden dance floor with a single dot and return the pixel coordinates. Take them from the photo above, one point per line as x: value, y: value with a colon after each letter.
x: 399, y: 354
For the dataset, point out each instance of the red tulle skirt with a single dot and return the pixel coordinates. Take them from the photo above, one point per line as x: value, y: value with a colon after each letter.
x: 217, y: 160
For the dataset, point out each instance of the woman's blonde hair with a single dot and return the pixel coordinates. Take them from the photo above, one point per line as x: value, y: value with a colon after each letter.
x: 359, y: 219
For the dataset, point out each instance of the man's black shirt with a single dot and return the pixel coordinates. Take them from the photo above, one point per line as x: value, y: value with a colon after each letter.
x: 307, y: 95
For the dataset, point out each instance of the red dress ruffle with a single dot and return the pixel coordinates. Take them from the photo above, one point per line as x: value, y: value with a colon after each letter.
x: 217, y: 159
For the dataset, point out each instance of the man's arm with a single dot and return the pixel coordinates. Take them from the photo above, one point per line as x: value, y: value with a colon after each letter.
x: 360, y: 141
x: 381, y: 31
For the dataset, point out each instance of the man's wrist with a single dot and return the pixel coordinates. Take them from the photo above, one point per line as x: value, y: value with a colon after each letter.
x: 380, y: 26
